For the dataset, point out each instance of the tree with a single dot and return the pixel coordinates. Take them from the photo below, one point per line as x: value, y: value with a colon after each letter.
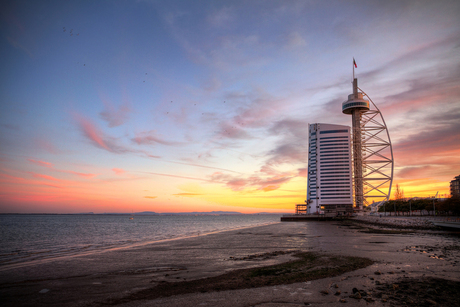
x: 399, y: 193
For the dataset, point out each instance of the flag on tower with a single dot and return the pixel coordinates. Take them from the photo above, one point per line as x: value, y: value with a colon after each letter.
x: 354, y: 63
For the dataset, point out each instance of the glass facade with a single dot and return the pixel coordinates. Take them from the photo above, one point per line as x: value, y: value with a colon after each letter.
x: 329, y: 169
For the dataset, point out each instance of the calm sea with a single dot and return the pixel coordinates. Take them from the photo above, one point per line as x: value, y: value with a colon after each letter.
x: 25, y: 238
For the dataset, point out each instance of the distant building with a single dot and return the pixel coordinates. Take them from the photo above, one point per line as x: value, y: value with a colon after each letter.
x: 455, y: 187
x: 329, y: 188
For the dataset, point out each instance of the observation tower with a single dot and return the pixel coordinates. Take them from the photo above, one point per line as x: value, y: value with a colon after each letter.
x: 356, y: 105
x: 372, y: 151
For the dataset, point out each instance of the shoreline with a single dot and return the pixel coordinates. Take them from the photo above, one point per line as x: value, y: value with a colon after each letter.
x: 95, y: 279
x: 20, y: 264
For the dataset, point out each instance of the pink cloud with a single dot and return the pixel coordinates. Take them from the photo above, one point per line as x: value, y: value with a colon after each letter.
x: 91, y: 132
x: 150, y: 137
x: 97, y: 137
x: 50, y: 165
x: 255, y: 182
x: 414, y: 171
x: 44, y: 176
x: 118, y: 171
x: 9, y: 178
x: 85, y: 175
x: 178, y: 176
x: 302, y: 172
x: 41, y: 163
x: 52, y: 185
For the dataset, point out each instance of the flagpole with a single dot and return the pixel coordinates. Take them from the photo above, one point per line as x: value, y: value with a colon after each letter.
x: 353, y: 69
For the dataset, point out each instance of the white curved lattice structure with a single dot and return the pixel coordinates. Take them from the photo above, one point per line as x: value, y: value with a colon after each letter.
x: 377, y: 157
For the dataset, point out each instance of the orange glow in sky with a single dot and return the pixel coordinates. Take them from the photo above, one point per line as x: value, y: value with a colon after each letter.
x: 205, y: 106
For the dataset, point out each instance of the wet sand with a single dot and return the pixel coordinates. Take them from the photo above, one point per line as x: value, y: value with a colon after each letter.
x: 111, y: 277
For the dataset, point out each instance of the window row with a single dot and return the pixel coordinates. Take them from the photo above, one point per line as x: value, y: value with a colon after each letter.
x: 333, y: 139
x: 337, y: 158
x: 339, y: 149
x: 329, y: 162
x: 338, y: 179
x: 338, y: 197
x: 327, y: 173
x: 331, y: 155
x: 333, y: 131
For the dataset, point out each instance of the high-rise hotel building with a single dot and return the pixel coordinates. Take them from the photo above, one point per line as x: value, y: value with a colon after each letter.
x: 330, y: 188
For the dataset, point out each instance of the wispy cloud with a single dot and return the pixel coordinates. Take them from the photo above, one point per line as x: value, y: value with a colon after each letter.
x: 118, y: 171
x: 91, y: 132
x: 187, y: 194
x: 255, y: 109
x: 151, y: 137
x: 41, y: 163
x: 97, y: 137
x: 85, y: 175
x: 42, y: 176
x: 113, y: 115
x: 50, y: 166
x: 254, y: 182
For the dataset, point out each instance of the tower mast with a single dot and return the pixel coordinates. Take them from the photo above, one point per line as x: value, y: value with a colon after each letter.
x: 355, y: 106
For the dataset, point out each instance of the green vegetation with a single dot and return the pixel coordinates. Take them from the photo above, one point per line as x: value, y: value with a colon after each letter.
x: 450, y: 206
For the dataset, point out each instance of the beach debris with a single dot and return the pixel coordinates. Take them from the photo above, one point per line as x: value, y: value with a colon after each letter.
x: 357, y: 296
x: 338, y: 292
x: 342, y: 300
x: 401, y: 223
x: 263, y: 256
x: 369, y: 299
x: 324, y: 292
x: 378, y: 273
x: 43, y: 291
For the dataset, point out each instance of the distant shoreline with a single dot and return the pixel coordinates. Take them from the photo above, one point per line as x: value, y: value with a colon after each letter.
x: 151, y: 213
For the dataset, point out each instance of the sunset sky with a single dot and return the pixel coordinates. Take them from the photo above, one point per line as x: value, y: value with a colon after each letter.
x: 179, y: 106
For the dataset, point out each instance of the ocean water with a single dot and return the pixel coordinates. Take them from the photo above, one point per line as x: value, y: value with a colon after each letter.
x: 25, y: 238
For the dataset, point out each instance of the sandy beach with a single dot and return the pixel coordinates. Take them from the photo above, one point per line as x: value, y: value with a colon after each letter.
x: 128, y: 277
